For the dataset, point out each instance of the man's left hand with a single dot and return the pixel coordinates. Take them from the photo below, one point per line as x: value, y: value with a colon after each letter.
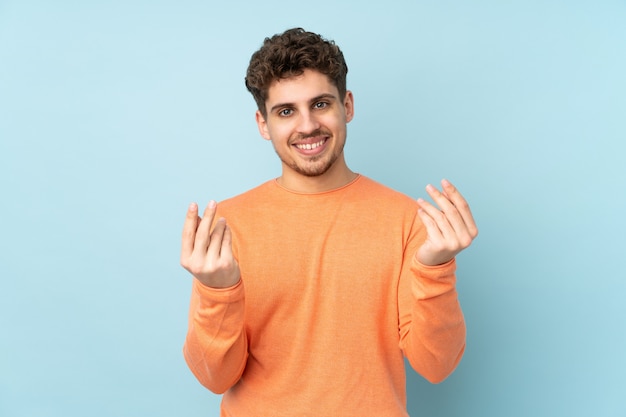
x: 450, y: 229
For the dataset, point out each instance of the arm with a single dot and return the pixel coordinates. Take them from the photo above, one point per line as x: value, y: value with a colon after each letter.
x: 432, y: 327
x: 216, y: 346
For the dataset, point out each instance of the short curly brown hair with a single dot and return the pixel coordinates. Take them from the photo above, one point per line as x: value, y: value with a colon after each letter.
x: 289, y: 54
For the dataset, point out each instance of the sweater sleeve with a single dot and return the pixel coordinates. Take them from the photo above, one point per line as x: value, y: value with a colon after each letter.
x: 432, y: 327
x: 216, y: 348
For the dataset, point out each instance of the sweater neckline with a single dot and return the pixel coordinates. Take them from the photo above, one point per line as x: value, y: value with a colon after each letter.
x: 320, y: 193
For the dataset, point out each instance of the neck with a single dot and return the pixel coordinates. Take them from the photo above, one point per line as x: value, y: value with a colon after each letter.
x: 337, y: 176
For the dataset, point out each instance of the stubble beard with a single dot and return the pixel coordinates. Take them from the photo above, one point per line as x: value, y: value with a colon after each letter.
x: 315, y: 165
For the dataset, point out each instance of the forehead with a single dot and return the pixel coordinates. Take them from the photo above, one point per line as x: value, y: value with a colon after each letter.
x: 300, y: 88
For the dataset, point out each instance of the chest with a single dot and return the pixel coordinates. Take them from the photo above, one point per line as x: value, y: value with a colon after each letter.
x: 345, y: 262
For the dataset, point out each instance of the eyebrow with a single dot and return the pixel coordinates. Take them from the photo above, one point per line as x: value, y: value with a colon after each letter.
x: 327, y: 96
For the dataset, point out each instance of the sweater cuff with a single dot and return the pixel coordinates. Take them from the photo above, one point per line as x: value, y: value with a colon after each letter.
x: 220, y: 295
x: 435, y: 272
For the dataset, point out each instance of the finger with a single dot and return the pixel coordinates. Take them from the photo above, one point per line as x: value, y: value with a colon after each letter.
x: 437, y: 217
x: 453, y: 194
x: 432, y: 229
x: 227, y: 243
x: 441, y: 199
x: 447, y: 201
x: 189, y: 231
x: 203, y: 232
x: 217, y: 235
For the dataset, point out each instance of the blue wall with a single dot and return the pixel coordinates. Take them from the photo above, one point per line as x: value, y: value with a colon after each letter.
x: 113, y: 117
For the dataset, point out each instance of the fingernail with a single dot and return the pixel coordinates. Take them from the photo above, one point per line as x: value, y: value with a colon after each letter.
x: 445, y: 182
x: 193, y: 206
x: 212, y: 204
x: 429, y: 187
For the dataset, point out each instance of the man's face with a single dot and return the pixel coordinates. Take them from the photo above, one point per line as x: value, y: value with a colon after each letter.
x: 306, y: 122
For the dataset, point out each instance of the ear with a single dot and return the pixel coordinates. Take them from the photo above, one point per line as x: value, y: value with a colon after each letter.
x: 348, y: 104
x: 262, y: 125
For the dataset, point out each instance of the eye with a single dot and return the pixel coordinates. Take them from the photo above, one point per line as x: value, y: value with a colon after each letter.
x: 285, y: 112
x: 320, y: 105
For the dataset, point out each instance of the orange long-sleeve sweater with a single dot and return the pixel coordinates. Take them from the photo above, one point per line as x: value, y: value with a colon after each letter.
x: 330, y: 299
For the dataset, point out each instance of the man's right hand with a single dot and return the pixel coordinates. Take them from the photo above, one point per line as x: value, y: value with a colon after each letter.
x: 207, y: 254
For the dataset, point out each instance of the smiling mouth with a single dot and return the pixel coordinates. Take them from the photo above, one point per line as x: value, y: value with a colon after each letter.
x: 310, y: 146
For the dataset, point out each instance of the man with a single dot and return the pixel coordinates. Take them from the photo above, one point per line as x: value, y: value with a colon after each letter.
x: 308, y: 300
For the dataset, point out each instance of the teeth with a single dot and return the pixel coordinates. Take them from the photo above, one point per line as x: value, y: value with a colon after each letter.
x: 309, y: 146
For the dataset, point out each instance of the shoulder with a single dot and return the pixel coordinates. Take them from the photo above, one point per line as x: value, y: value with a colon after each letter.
x: 381, y: 204
x: 384, y: 195
x: 248, y: 198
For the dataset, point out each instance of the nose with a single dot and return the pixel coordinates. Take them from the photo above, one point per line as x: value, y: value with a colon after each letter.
x: 307, y: 122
